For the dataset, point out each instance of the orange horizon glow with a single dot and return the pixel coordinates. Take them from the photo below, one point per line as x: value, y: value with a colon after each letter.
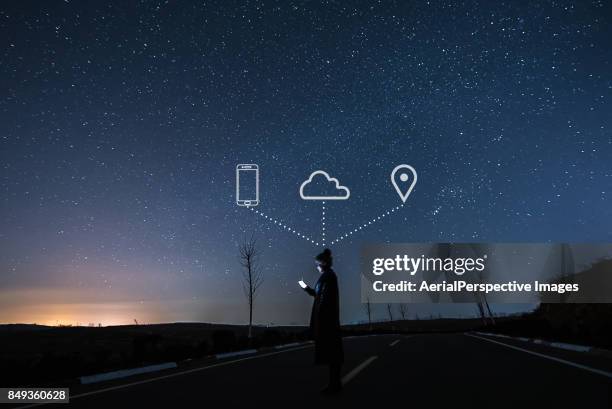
x: 79, y: 314
x: 55, y: 307
x: 82, y: 307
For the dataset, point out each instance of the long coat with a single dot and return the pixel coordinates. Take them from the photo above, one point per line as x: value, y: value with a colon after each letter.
x: 325, y: 320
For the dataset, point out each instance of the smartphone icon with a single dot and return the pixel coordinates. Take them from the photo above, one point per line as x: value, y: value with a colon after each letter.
x: 247, y: 185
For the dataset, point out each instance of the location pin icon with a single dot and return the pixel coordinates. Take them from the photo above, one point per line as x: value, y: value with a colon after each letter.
x: 403, y: 177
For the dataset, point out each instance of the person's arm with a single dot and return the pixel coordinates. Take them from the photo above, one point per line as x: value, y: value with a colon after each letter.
x: 306, y: 288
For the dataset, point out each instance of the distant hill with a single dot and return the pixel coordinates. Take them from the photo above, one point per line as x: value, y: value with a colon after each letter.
x: 23, y: 327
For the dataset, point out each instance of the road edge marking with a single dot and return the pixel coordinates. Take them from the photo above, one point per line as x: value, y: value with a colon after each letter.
x: 172, y: 375
x: 235, y: 353
x: 347, y: 378
x: 560, y: 345
x: 124, y: 373
x: 394, y: 343
x: 552, y: 358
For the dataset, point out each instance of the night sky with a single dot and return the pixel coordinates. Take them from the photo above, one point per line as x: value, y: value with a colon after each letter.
x: 122, y: 124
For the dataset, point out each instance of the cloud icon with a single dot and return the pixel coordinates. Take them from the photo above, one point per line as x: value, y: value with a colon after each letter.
x: 319, y: 187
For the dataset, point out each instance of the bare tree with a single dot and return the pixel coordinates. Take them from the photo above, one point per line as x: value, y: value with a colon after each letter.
x: 369, y: 312
x: 483, y: 304
x: 403, y: 309
x: 390, y: 311
x: 481, y: 307
x: 491, y: 317
x: 252, y: 274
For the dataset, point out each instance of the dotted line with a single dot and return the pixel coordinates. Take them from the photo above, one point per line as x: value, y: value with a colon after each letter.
x: 323, y: 225
x: 283, y: 226
x: 366, y: 224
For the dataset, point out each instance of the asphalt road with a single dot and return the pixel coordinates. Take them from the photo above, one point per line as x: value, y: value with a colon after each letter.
x: 439, y: 370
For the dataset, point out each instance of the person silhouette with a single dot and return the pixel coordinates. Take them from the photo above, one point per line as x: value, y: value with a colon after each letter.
x: 325, y: 321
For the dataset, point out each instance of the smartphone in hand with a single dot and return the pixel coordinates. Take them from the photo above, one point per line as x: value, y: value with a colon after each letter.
x: 302, y: 284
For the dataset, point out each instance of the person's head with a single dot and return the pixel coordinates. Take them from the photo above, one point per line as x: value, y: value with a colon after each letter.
x: 324, y: 260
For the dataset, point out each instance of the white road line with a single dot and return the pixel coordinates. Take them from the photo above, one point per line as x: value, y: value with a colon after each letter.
x: 236, y: 353
x: 552, y: 358
x: 394, y: 343
x: 358, y: 369
x: 172, y: 375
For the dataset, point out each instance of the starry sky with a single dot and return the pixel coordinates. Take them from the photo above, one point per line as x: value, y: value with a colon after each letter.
x: 122, y: 124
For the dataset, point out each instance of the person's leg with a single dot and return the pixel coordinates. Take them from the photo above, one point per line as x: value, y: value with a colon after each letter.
x: 334, y: 376
x: 335, y: 383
